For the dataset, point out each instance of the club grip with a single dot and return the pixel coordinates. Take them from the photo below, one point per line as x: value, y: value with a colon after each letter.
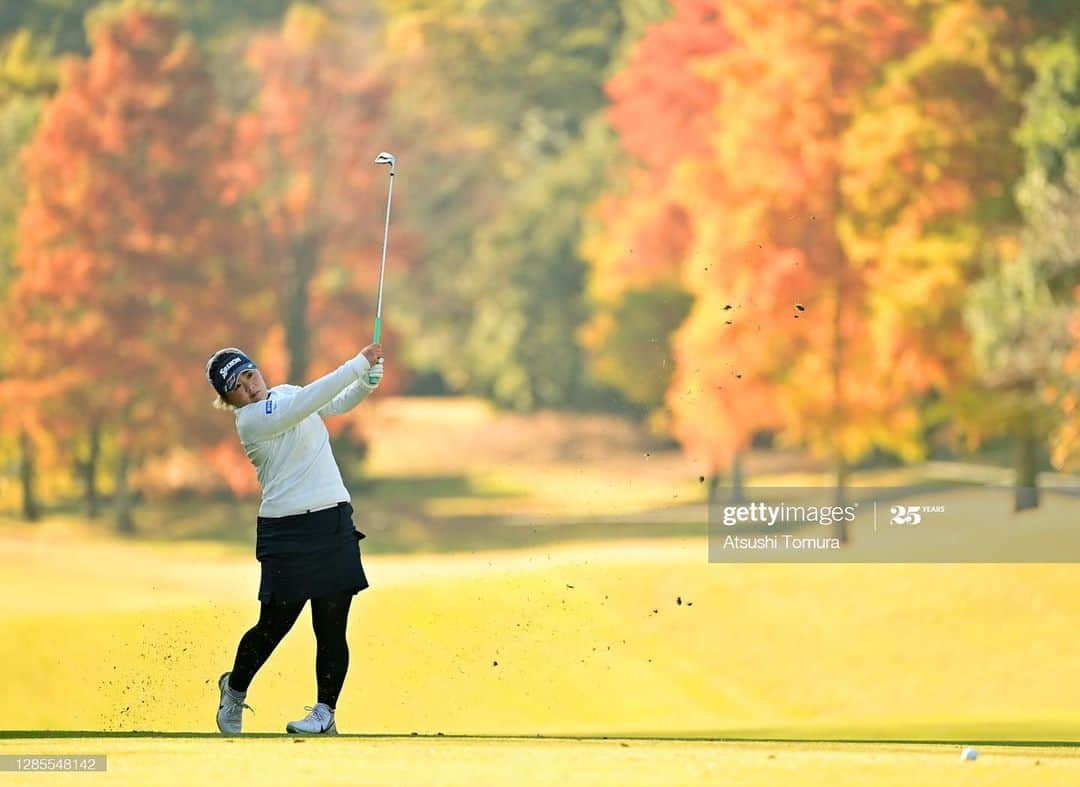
x: 378, y: 330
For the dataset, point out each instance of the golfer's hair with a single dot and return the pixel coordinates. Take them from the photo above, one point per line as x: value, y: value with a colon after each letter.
x: 221, y: 404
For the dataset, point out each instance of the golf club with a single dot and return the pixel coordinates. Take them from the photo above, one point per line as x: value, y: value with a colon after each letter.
x: 384, y: 158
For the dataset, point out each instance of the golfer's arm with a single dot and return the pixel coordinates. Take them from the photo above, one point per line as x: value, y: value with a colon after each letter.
x: 263, y: 420
x: 348, y: 399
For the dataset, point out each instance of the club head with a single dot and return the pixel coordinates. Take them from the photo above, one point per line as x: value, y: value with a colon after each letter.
x: 386, y: 158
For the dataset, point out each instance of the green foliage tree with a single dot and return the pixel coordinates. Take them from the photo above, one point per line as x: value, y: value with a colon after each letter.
x: 510, y: 64
x: 633, y: 350
x: 1020, y: 340
x: 62, y: 23
x: 18, y: 120
x: 59, y: 22
x: 1023, y: 316
x: 27, y: 67
x: 500, y: 192
x: 522, y: 347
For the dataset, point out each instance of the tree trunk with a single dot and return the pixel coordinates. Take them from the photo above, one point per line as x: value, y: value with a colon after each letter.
x: 714, y: 488
x: 737, y: 490
x: 304, y: 253
x: 31, y: 511
x: 838, y: 414
x: 1026, y: 465
x: 89, y: 468
x: 840, y: 496
x: 122, y: 500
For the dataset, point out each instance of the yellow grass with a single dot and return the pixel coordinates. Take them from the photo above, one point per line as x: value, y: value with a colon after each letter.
x: 584, y: 639
x: 589, y: 639
x: 446, y: 761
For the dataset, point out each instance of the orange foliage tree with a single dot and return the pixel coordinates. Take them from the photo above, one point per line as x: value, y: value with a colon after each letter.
x: 130, y: 269
x: 318, y: 201
x: 779, y: 85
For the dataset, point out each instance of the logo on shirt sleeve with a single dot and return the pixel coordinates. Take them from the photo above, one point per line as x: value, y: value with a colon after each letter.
x: 269, y: 406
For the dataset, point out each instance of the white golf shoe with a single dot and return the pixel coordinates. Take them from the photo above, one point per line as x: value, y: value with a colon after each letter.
x: 319, y: 721
x: 231, y: 708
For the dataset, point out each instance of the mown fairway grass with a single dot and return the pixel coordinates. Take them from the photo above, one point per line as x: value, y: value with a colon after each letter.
x: 638, y: 639
x: 589, y: 640
x: 348, y: 761
x: 580, y: 640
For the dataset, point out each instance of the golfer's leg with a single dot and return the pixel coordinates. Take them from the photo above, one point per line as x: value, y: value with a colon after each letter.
x: 259, y: 642
x: 329, y: 616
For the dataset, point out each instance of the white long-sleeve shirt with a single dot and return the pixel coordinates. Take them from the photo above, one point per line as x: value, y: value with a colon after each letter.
x: 285, y: 438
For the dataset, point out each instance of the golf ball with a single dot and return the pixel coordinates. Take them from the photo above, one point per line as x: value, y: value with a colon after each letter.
x: 968, y: 753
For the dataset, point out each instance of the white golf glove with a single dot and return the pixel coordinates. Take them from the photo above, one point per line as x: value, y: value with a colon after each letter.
x: 373, y: 376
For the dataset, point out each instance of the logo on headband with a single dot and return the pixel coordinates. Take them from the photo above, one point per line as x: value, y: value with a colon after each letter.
x: 225, y: 369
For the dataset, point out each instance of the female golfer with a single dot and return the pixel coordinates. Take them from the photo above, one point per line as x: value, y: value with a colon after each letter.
x: 305, y: 542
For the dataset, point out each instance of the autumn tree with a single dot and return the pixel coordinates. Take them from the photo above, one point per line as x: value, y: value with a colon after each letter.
x: 663, y: 107
x: 130, y: 269
x: 27, y: 74
x: 316, y: 198
x: 927, y: 217
x: 758, y: 190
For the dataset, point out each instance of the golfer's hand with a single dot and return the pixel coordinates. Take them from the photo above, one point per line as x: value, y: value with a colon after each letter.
x: 373, y: 352
x: 374, y: 375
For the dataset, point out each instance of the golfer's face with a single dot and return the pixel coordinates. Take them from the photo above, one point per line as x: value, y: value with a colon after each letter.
x: 251, y: 388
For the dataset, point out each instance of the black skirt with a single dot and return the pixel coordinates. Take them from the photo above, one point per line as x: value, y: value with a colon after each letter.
x: 309, y: 555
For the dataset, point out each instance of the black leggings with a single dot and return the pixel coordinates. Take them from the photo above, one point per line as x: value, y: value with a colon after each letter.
x: 329, y: 616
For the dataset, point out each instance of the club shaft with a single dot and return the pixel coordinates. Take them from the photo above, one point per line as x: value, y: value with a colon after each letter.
x: 382, y: 269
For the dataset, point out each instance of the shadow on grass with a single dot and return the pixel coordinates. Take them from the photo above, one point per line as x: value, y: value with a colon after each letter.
x: 394, y: 514
x: 477, y: 534
x: 423, y: 488
x: 409, y: 532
